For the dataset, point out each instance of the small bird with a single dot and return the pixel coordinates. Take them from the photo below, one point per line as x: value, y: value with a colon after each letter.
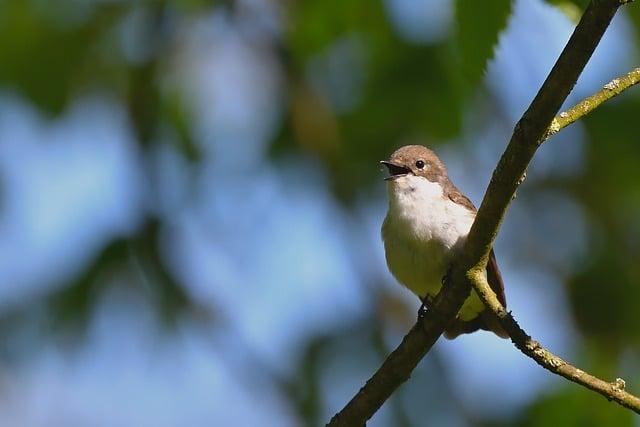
x: 427, y: 221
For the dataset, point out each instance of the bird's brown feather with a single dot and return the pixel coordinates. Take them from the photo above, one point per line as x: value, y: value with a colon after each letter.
x: 485, y: 320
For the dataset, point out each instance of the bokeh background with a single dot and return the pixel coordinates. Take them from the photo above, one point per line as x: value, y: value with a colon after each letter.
x: 190, y: 203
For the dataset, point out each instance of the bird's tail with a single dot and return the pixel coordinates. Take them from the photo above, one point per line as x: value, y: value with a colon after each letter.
x: 485, y: 320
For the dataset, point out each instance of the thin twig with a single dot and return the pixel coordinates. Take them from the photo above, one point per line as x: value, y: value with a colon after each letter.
x: 613, y: 391
x: 587, y: 105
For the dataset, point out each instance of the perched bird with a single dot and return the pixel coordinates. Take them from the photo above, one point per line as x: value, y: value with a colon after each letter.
x: 427, y: 221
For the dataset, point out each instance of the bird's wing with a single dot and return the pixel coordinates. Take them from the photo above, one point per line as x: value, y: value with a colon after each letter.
x: 457, y: 197
x: 495, y: 279
x: 493, y: 273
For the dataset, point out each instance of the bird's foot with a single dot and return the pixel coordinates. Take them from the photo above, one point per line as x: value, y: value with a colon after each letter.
x: 424, y: 307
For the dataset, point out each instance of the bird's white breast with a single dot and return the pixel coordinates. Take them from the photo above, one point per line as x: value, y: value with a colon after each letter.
x: 421, y: 232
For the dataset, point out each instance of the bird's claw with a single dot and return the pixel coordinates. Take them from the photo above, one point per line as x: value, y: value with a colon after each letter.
x: 424, y: 307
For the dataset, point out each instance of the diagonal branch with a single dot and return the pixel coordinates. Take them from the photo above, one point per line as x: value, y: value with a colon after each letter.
x: 611, y: 390
x: 529, y: 132
x: 528, y: 135
x: 398, y: 366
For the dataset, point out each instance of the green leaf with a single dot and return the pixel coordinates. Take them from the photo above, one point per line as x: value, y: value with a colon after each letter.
x: 479, y: 24
x: 46, y: 59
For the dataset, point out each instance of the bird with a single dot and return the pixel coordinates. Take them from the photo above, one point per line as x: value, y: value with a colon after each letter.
x: 427, y: 221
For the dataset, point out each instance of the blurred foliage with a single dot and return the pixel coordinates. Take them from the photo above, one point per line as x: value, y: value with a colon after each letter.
x: 573, y: 407
x: 52, y: 52
x: 476, y: 38
x: 609, y: 190
x: 409, y: 91
x: 47, y: 57
x: 397, y: 92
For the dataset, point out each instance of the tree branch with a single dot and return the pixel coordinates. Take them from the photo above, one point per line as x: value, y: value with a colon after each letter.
x: 398, y: 366
x: 587, y: 105
x: 529, y: 132
x: 528, y: 135
x: 611, y: 390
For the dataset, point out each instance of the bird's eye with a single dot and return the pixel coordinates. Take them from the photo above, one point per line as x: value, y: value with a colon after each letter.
x: 420, y: 164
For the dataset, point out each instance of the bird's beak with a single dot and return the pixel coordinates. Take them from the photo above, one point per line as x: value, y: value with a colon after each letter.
x: 395, y: 170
